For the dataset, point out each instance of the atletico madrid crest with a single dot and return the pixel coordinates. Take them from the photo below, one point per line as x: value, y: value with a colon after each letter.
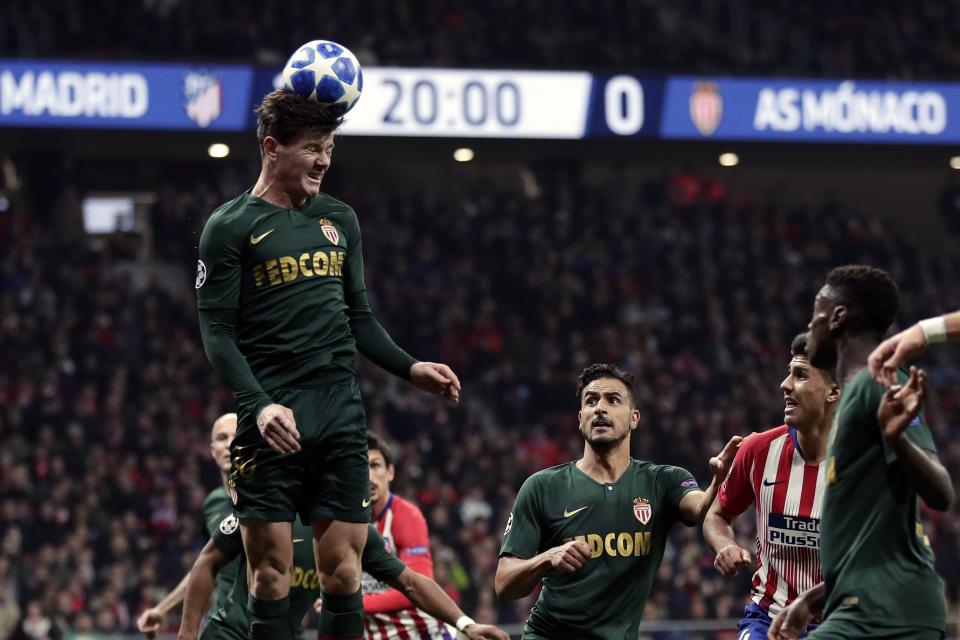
x: 642, y: 509
x: 330, y: 231
x: 706, y: 107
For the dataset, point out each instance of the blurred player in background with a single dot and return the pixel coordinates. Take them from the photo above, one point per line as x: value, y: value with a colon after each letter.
x: 216, y: 507
x: 909, y: 343
x: 593, y: 531
x: 390, y: 613
x: 780, y: 472
x: 877, y: 563
x: 230, y: 622
x: 283, y: 311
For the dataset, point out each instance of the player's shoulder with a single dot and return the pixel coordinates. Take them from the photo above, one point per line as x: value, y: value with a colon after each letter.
x: 216, y: 498
x: 330, y: 204
x: 234, y: 218
x: 645, y: 470
x: 405, y: 509
x: 759, y: 440
x: 557, y: 477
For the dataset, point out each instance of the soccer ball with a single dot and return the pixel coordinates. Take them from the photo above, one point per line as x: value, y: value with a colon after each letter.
x: 325, y: 72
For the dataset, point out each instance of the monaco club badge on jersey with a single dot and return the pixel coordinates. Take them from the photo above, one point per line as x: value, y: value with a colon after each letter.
x: 642, y: 510
x: 330, y: 231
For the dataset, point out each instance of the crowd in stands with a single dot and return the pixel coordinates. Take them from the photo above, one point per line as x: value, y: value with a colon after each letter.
x: 697, y: 287
x: 819, y: 37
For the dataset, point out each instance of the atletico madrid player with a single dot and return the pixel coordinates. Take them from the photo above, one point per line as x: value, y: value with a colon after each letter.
x: 593, y: 532
x: 781, y: 472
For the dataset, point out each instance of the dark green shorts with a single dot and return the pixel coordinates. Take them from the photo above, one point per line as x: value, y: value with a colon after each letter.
x: 327, y: 478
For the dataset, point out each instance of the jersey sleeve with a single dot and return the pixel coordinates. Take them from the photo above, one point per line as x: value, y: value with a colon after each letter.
x: 917, y: 432
x: 218, y: 269
x: 524, y: 531
x: 227, y: 537
x: 353, y: 280
x: 676, y: 482
x: 377, y: 561
x: 736, y: 491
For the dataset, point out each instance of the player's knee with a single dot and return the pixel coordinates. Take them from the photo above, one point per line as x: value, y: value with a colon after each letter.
x: 344, y: 579
x: 270, y: 580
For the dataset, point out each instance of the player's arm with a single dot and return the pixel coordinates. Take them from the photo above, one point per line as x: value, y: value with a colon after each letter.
x: 412, y: 540
x: 899, y: 408
x: 795, y: 617
x: 428, y: 596
x: 893, y: 352
x: 694, y: 504
x: 734, y: 495
x: 218, y: 297
x: 375, y: 343
x: 200, y: 586
x: 153, y: 619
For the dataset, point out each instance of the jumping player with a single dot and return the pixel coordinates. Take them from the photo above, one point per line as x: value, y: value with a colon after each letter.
x: 781, y: 473
x: 283, y: 311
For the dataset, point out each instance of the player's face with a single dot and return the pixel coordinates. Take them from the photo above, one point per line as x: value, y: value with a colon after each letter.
x: 808, y: 396
x: 224, y: 429
x: 821, y: 345
x: 302, y: 164
x: 381, y: 475
x: 606, y: 416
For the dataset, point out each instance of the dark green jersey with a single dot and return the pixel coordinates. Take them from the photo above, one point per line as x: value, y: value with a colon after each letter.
x: 626, y: 525
x: 876, y: 560
x: 230, y: 619
x: 216, y: 507
x: 289, y: 273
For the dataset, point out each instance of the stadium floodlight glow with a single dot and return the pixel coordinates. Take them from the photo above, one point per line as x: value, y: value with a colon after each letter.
x: 218, y: 150
x: 729, y: 159
x: 463, y: 154
x: 955, y: 162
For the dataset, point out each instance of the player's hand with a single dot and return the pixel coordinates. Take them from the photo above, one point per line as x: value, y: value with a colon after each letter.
x: 901, y: 404
x: 720, y: 463
x: 488, y: 631
x: 570, y: 556
x: 151, y: 621
x: 436, y: 378
x: 318, y: 605
x: 893, y: 352
x: 279, y: 428
x: 791, y: 621
x: 730, y: 559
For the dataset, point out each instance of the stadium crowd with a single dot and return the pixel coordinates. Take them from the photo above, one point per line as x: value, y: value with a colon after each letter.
x: 850, y: 38
x: 695, y: 286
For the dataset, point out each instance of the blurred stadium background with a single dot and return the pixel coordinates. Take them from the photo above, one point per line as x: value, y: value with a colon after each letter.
x: 670, y: 202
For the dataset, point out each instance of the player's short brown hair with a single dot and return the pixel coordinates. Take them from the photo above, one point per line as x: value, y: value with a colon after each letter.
x: 376, y: 443
x: 287, y: 116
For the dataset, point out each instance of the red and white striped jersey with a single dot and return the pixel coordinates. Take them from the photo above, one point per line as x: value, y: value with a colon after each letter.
x: 389, y: 614
x: 770, y: 473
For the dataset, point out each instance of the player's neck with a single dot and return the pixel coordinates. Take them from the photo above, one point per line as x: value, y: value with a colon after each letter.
x: 852, y: 356
x: 269, y: 190
x: 380, y: 505
x: 605, y: 466
x: 813, y: 441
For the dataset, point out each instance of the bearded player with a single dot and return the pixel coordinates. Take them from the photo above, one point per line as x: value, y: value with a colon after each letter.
x: 216, y: 507
x: 593, y: 532
x: 389, y: 612
x: 781, y: 473
x: 878, y: 572
x: 283, y: 311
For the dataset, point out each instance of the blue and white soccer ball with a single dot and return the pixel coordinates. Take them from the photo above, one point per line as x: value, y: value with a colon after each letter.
x: 325, y: 72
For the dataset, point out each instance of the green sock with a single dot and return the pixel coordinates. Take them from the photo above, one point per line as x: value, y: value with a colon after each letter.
x: 269, y: 619
x: 341, y: 616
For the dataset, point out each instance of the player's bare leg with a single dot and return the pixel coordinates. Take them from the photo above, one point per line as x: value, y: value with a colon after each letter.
x: 269, y: 550
x: 337, y: 547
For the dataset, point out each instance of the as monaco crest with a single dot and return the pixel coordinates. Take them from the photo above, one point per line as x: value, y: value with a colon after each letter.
x: 202, y: 97
x: 642, y: 509
x: 330, y: 231
x: 706, y: 107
